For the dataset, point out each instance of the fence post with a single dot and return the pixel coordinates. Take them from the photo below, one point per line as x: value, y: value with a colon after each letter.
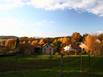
x: 81, y: 61
x: 61, y: 66
x: 89, y: 61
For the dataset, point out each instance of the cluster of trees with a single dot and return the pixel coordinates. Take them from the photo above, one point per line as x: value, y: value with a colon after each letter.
x: 94, y: 43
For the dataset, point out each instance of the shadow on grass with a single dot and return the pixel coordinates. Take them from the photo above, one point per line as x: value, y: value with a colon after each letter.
x: 49, y: 74
x: 82, y: 74
x: 41, y: 66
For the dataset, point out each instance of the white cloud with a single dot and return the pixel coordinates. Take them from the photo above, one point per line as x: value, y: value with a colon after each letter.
x: 92, y: 6
x: 6, y: 5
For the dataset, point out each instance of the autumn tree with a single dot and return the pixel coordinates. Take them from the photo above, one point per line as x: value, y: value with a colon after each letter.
x: 100, y: 37
x: 34, y: 42
x: 49, y: 40
x: 76, y: 37
x: 23, y: 40
x: 57, y: 44
x: 84, y: 36
x: 42, y: 42
x: 90, y: 42
x: 10, y: 43
x: 65, y: 41
x: 98, y: 47
x: 2, y: 43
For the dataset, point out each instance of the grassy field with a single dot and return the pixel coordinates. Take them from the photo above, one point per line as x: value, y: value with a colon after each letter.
x: 44, y: 66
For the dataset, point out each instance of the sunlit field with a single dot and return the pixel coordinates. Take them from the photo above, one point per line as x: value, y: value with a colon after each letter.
x: 46, y: 66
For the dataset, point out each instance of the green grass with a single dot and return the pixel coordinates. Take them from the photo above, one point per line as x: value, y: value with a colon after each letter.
x: 44, y: 66
x: 49, y: 74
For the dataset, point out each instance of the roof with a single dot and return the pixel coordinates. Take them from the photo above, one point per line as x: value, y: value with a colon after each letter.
x: 49, y: 45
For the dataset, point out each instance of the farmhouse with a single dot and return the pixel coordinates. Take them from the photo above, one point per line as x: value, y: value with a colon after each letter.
x: 47, y: 49
x: 72, y: 49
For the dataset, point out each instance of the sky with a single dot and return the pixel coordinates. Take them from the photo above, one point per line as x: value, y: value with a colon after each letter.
x: 50, y: 18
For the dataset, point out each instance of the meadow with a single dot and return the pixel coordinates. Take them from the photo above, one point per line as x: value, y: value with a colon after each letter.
x: 47, y: 66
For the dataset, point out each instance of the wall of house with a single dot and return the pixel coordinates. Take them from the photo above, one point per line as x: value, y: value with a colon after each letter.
x: 47, y: 49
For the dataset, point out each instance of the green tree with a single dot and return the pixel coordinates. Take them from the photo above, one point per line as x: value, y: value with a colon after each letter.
x: 57, y: 45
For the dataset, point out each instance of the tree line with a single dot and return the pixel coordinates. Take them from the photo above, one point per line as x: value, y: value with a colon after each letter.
x: 93, y: 43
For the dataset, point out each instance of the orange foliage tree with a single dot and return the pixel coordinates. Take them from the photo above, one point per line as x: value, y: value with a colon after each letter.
x: 90, y: 42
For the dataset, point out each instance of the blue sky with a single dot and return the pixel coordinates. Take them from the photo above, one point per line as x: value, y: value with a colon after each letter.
x: 50, y: 18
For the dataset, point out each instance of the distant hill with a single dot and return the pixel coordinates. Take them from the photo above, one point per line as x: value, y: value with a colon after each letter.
x: 8, y: 37
x: 96, y: 33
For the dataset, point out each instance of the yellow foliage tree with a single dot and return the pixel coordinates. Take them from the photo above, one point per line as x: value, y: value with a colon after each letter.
x: 42, y: 42
x: 66, y: 41
x: 34, y: 42
x: 10, y: 43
